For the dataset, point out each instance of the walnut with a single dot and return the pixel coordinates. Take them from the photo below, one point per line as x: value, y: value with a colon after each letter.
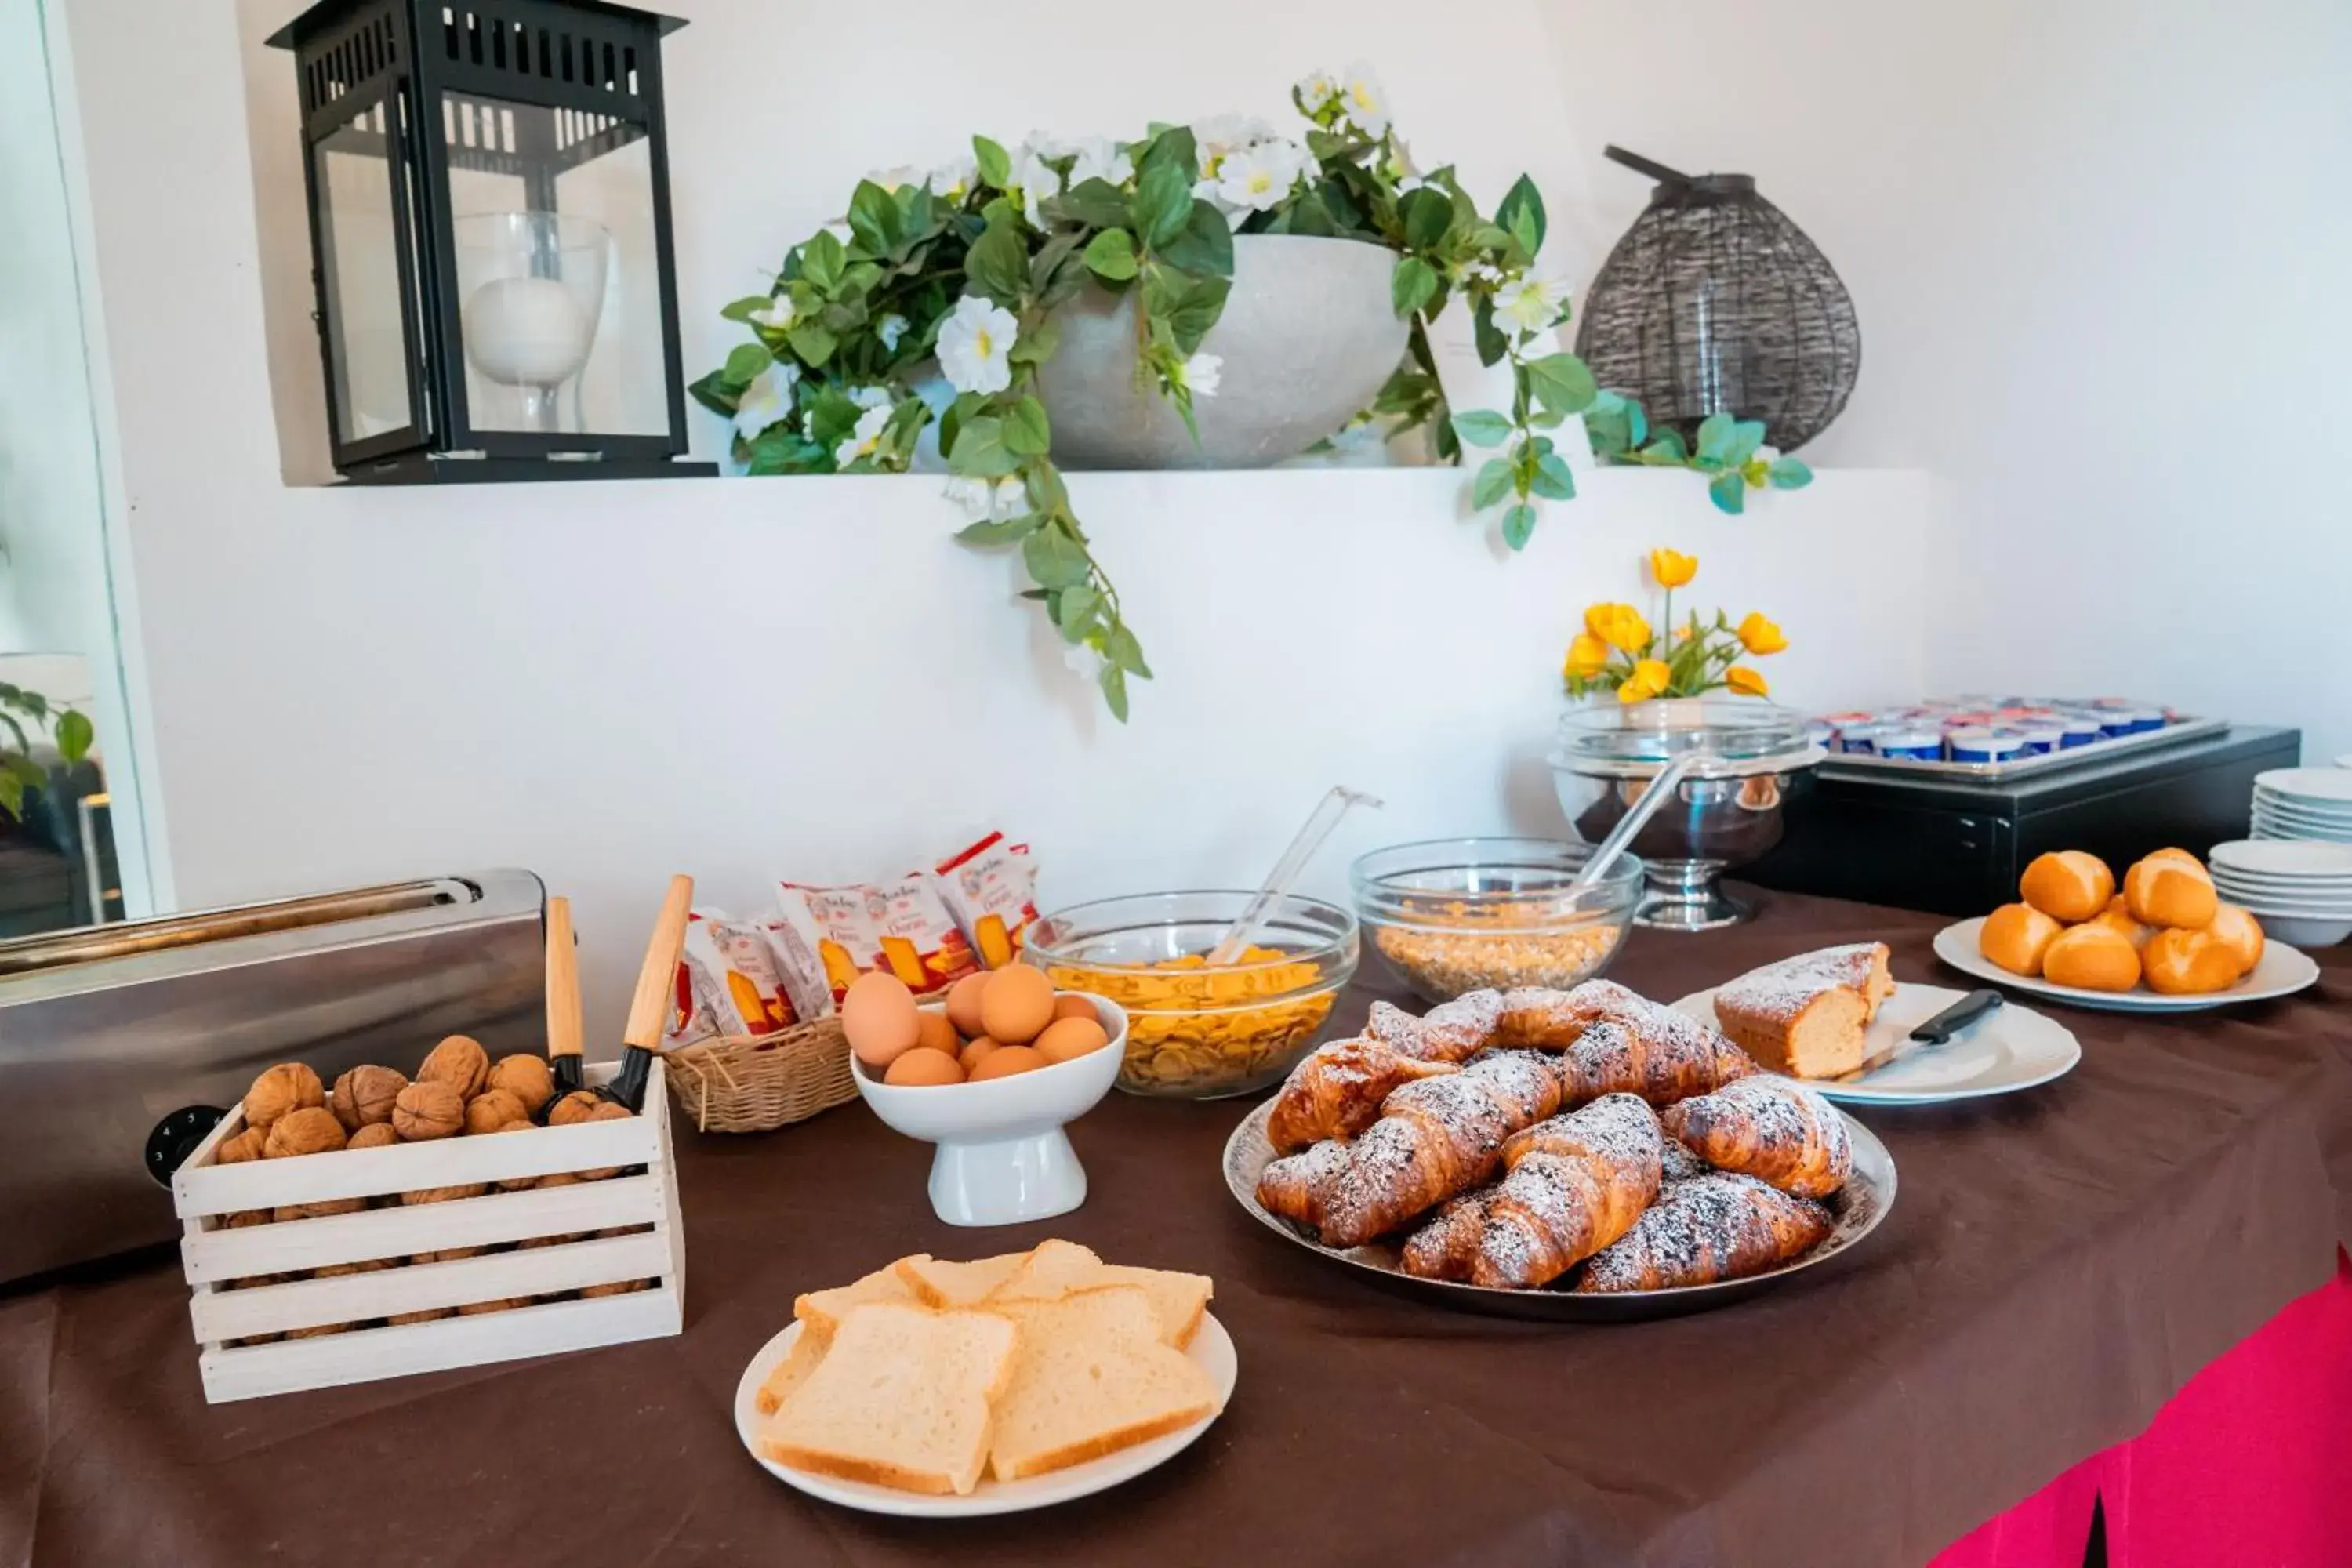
x: 244, y: 1218
x: 458, y: 1062
x: 428, y: 1315
x: 525, y: 1076
x: 374, y: 1135
x: 427, y: 1109
x: 364, y: 1095
x: 493, y: 1110
x: 580, y: 1105
x: 622, y: 1288
x: 447, y: 1254
x: 560, y: 1179
x: 323, y: 1209
x: 472, y: 1308
x: 246, y: 1145
x: 445, y: 1194
x: 313, y: 1130
x: 604, y: 1111
x: 289, y: 1086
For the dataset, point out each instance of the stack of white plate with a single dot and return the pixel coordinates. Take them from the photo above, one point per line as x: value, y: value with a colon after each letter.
x: 2304, y: 803
x: 2300, y: 890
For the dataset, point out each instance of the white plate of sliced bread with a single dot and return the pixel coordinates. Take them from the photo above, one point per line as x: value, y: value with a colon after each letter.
x: 935, y: 1389
x: 2011, y: 1048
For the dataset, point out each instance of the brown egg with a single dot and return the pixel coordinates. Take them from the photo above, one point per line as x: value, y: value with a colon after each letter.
x: 921, y: 1068
x: 963, y: 1005
x: 1070, y: 1004
x: 879, y: 1017
x: 1017, y: 1004
x: 973, y: 1050
x: 1065, y: 1039
x: 934, y: 1033
x: 1006, y: 1061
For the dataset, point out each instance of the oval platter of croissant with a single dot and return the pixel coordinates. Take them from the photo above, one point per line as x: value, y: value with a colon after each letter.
x: 1584, y: 1154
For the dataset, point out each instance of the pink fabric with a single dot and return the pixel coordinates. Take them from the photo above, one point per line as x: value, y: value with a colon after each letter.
x: 2246, y: 1465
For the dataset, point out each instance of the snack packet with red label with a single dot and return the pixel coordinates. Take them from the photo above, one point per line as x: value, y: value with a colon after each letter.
x: 900, y: 928
x: 738, y: 968
x: 991, y: 890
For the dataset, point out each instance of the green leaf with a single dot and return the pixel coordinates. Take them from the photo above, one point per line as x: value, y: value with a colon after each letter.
x: 716, y: 393
x: 780, y: 449
x: 1027, y: 431
x: 995, y: 164
x: 1729, y: 493
x: 1043, y: 484
x: 75, y: 735
x: 1492, y: 344
x: 1113, y: 681
x: 1482, y: 427
x: 1012, y: 531
x: 1162, y: 205
x: 740, y: 309
x: 1563, y: 382
x: 1517, y: 524
x: 1037, y: 345
x: 822, y: 261
x: 746, y: 361
x: 1552, y: 481
x: 1187, y: 305
x: 980, y: 451
x: 1412, y: 285
x: 873, y: 220
x: 1075, y: 609
x: 1050, y: 259
x: 998, y: 265
x: 1791, y: 474
x: 1124, y: 652
x: 1747, y: 435
x: 1111, y: 254
x: 1206, y: 246
x: 1095, y: 202
x: 1521, y: 215
x: 1668, y: 447
x: 1714, y: 434
x: 12, y: 788
x: 1493, y: 482
x: 812, y: 342
x: 1053, y: 559
x: 1172, y: 148
x: 1428, y: 213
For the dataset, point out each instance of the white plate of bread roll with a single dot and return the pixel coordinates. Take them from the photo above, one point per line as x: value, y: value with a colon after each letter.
x: 2160, y: 939
x: 1579, y: 1156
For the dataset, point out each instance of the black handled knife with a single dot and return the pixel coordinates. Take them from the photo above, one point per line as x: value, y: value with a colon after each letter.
x: 1941, y: 1028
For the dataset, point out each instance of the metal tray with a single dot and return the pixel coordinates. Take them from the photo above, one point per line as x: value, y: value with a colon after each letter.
x: 1867, y: 1198
x: 2172, y: 734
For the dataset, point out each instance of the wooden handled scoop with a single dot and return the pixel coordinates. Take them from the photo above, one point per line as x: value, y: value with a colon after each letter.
x: 563, y: 1033
x: 649, y: 1007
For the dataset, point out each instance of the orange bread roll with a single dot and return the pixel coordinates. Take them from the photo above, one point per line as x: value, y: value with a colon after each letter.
x: 2015, y: 936
x: 2237, y: 930
x: 2092, y: 957
x: 2189, y: 963
x: 2068, y: 886
x: 2164, y: 892
x: 2180, y: 858
x: 2117, y: 918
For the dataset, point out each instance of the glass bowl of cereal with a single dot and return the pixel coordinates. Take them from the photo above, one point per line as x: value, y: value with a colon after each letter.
x: 1195, y: 1032
x: 1452, y: 915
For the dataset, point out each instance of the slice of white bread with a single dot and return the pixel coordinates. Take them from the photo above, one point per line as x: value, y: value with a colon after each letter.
x: 1051, y: 1271
x: 1178, y: 1300
x: 824, y: 1309
x: 808, y: 1349
x: 1090, y: 1376
x: 901, y: 1399
x: 938, y: 1283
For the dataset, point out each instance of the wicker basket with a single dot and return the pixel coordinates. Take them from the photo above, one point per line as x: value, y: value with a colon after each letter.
x: 743, y: 1083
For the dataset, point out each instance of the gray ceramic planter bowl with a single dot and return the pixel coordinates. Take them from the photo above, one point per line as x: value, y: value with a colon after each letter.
x: 1308, y: 337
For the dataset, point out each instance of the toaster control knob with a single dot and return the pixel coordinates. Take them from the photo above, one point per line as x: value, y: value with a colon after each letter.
x: 176, y: 1136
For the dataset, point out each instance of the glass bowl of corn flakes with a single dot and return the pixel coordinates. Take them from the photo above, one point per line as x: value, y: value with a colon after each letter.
x: 1194, y: 1032
x: 1467, y: 914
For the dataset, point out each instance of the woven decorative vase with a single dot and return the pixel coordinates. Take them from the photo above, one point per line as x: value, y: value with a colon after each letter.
x: 1714, y: 302
x: 744, y: 1083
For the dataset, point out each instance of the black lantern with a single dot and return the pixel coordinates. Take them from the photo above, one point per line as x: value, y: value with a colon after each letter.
x: 1714, y: 302
x: 490, y: 238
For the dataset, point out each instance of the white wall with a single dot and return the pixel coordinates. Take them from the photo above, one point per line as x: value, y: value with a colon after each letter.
x: 2097, y: 248
x: 745, y: 679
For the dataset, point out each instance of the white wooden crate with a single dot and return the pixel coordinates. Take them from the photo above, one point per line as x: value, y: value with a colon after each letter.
x: 224, y: 1308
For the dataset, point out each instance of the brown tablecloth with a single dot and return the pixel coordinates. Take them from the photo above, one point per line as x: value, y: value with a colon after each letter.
x: 2057, y: 1264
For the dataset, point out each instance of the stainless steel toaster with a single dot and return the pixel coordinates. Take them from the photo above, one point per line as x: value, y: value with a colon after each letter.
x: 121, y: 1045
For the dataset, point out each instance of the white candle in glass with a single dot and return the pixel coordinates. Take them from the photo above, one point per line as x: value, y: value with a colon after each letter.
x: 526, y: 332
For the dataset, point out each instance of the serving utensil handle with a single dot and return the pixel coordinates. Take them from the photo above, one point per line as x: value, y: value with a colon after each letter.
x: 649, y: 1007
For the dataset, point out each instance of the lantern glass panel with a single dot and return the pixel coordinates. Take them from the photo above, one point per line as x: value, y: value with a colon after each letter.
x: 359, y: 257
x: 559, y: 282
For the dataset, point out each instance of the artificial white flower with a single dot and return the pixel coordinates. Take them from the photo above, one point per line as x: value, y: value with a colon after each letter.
x: 1317, y: 89
x: 1220, y: 134
x: 779, y: 315
x: 1482, y: 272
x: 975, y: 346
x: 890, y: 328
x: 869, y: 396
x: 891, y: 179
x: 1529, y: 304
x: 988, y: 500
x: 954, y: 180
x: 1084, y: 661
x: 1363, y: 101
x: 1100, y: 158
x: 862, y: 441
x: 1200, y: 374
x: 768, y: 400
x: 1258, y: 177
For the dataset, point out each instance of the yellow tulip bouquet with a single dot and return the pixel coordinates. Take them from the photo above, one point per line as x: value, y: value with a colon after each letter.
x: 1617, y: 651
